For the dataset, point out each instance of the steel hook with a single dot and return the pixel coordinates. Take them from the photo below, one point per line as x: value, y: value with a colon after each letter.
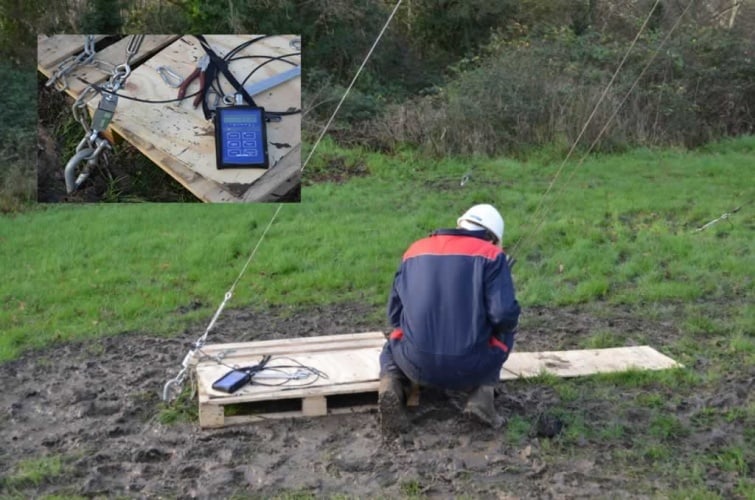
x: 70, y: 171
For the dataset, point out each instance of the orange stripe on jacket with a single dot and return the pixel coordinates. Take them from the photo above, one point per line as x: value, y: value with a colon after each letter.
x: 443, y: 244
x: 494, y: 342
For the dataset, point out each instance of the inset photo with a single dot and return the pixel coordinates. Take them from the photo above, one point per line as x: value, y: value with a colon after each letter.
x: 160, y: 118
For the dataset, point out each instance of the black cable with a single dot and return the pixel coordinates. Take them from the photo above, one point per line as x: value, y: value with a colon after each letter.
x: 311, y: 369
x: 271, y: 59
x: 283, y: 113
x: 318, y: 374
x: 243, y: 45
x: 216, y: 80
x: 167, y: 101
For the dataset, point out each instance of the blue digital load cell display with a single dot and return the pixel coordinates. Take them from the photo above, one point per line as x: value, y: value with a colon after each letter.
x: 240, y: 138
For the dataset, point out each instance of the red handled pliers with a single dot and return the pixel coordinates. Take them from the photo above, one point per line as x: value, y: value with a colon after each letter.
x: 200, y: 72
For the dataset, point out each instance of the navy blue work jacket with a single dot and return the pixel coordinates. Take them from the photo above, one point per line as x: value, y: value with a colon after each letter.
x: 453, y: 296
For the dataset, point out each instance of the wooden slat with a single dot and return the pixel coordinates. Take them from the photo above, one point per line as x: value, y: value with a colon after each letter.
x: 232, y: 352
x: 278, y: 181
x: 251, y: 419
x: 116, y: 54
x: 205, y: 189
x: 348, y: 372
x: 352, y: 365
x: 251, y: 347
x: 52, y: 50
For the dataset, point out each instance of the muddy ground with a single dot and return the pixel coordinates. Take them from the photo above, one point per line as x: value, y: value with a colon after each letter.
x: 96, y: 404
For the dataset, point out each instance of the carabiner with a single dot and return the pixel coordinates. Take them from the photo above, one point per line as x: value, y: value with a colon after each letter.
x: 170, y: 77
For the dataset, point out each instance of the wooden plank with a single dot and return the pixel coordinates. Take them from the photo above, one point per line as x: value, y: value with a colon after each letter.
x: 347, y: 371
x: 278, y: 181
x: 351, y: 363
x: 205, y: 189
x: 248, y: 350
x: 584, y: 362
x: 115, y: 55
x: 254, y: 418
x: 181, y: 141
x: 251, y: 347
x: 52, y: 50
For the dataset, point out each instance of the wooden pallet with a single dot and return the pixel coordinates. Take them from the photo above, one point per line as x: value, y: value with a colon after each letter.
x: 175, y: 136
x: 351, y: 363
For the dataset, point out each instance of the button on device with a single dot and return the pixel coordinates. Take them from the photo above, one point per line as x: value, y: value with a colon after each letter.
x: 250, y: 144
x: 234, y: 135
x: 234, y: 144
x: 234, y: 152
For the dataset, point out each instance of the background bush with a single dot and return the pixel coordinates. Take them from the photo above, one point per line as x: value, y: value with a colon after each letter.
x: 451, y: 76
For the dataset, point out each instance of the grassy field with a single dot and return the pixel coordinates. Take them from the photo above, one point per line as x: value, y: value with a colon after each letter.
x: 618, y: 229
x: 616, y: 233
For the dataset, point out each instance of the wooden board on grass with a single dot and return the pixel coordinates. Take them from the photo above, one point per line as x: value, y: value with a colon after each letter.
x: 352, y: 368
x: 584, y: 362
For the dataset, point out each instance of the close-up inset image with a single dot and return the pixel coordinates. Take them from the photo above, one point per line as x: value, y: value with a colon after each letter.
x: 213, y: 118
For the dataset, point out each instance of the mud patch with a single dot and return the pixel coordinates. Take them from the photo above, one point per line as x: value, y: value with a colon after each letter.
x: 96, y: 405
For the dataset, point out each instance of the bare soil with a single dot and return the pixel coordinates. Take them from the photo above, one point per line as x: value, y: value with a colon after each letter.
x: 97, y: 404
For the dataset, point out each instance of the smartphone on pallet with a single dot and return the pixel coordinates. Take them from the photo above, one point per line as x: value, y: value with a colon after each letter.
x: 232, y: 381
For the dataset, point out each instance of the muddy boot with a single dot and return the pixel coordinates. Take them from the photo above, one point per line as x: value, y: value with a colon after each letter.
x: 480, y: 406
x: 392, y: 405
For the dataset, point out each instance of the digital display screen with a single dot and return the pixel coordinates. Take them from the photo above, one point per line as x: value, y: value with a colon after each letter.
x: 241, y: 118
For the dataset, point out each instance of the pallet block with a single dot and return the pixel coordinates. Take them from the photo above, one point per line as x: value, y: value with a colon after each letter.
x: 351, y: 364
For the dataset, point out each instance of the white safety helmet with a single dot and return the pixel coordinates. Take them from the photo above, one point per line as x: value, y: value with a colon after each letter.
x: 483, y: 216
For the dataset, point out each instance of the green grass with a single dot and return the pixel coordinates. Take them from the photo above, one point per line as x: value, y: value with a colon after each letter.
x: 617, y: 231
x: 620, y: 230
x: 34, y: 471
x: 182, y: 409
x: 517, y: 429
x: 411, y: 489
